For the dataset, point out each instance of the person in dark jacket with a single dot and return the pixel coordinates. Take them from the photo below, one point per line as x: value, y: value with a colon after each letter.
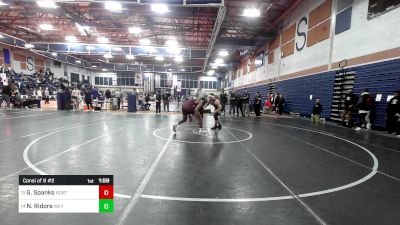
x: 257, y: 104
x: 350, y: 102
x: 393, y: 114
x: 158, y: 102
x: 6, y: 95
x: 246, y: 102
x: 280, y: 103
x: 88, y: 99
x: 166, y: 98
x: 316, y: 112
x: 224, y: 100
x: 239, y: 105
x: 233, y: 102
x: 366, y: 106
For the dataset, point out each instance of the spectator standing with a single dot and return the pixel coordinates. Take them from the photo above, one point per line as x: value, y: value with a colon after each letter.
x: 224, y: 100
x: 393, y: 114
x: 246, y: 100
x: 88, y: 99
x: 316, y: 112
x: 166, y: 98
x: 275, y: 102
x: 108, y: 98
x: 95, y: 93
x: 158, y: 102
x: 239, y: 105
x: 75, y: 99
x: 46, y: 94
x: 39, y: 94
x: 257, y: 104
x: 233, y: 103
x: 350, y: 101
x: 366, y: 106
x: 280, y: 103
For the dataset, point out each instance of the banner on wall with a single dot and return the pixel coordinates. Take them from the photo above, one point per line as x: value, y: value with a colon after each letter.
x: 7, y: 56
x: 138, y: 78
x: 4, y: 78
x: 169, y: 79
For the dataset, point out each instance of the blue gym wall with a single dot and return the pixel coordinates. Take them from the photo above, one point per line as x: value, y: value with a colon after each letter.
x: 379, y: 78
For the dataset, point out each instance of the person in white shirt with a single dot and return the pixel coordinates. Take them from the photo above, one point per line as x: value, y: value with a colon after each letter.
x: 47, y: 96
x: 75, y: 98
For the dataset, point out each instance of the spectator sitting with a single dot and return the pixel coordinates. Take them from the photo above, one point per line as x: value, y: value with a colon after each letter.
x: 268, y: 105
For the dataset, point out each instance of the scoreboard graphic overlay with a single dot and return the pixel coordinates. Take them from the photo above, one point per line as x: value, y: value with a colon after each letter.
x: 66, y: 194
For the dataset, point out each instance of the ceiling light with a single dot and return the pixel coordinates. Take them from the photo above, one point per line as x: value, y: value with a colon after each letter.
x: 210, y: 72
x: 70, y: 38
x: 113, y: 6
x: 183, y: 70
x: 170, y: 69
x: 103, y: 69
x: 178, y: 59
x: 135, y: 30
x: 89, y: 48
x: 45, y: 26
x: 144, y: 41
x: 54, y: 54
x: 47, y: 4
x: 1, y: 36
x: 102, y: 40
x: 159, y: 58
x: 2, y: 3
x: 29, y: 46
x: 118, y: 49
x: 130, y: 56
x: 172, y: 43
x: 214, y: 67
x: 223, y: 53
x: 159, y: 8
x: 78, y: 61
x: 94, y: 66
x: 219, y: 61
x: 251, y: 12
x: 108, y: 56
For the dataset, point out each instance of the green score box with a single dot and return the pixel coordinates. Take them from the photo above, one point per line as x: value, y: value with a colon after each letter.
x: 106, y: 205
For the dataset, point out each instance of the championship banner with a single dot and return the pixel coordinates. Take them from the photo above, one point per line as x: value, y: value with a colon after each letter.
x: 179, y: 88
x: 138, y: 78
x: 169, y: 79
x: 4, y: 78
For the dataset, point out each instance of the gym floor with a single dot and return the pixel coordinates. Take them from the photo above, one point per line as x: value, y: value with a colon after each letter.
x: 269, y: 171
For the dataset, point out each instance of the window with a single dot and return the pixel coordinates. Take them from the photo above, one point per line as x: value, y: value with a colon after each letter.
x: 74, y: 77
x: 260, y: 60
x: 379, y: 7
x: 125, y: 79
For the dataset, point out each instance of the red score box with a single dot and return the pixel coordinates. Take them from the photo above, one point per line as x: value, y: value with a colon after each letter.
x: 106, y: 192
